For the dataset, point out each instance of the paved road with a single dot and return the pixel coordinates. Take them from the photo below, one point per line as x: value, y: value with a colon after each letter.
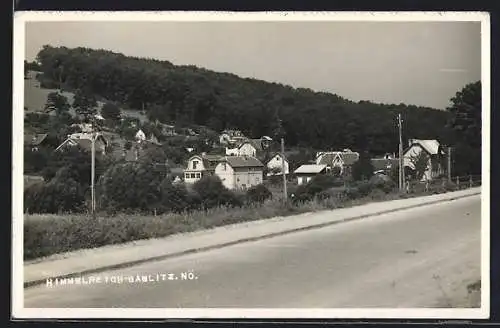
x: 422, y: 257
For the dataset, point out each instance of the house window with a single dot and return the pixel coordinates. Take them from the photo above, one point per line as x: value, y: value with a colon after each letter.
x: 198, y: 175
x: 186, y: 175
x: 224, y: 167
x: 193, y: 176
x: 195, y: 165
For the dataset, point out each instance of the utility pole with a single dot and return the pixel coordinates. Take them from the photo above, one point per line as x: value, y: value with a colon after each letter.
x: 92, y: 171
x: 401, y: 168
x: 285, y: 194
x: 449, y: 164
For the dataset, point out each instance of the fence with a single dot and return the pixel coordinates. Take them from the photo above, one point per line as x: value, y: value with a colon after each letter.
x: 456, y: 183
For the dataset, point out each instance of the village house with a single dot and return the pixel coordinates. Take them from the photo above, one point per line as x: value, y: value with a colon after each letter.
x: 231, y: 137
x: 435, y: 155
x: 153, y: 139
x: 84, y: 141
x: 199, y: 166
x: 140, y: 136
x: 240, y: 172
x: 245, y: 148
x: 35, y: 141
x: 167, y: 130
x: 83, y: 127
x: 249, y: 147
x: 306, y: 172
x: 275, y: 165
x: 343, y: 160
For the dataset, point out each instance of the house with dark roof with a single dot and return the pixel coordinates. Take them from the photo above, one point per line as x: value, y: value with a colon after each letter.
x: 434, y: 152
x: 228, y: 137
x: 341, y: 159
x: 249, y: 147
x: 35, y: 141
x: 84, y: 142
x: 246, y: 148
x: 240, y: 172
x: 199, y: 166
x: 306, y: 172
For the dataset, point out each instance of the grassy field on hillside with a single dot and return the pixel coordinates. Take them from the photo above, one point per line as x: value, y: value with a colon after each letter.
x: 35, y: 98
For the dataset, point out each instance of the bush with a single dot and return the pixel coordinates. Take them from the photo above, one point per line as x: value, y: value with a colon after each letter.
x: 364, y: 188
x: 35, y: 161
x: 377, y: 194
x: 316, y: 188
x: 212, y: 193
x: 334, y: 192
x: 258, y: 194
x: 110, y: 111
x: 383, y: 183
x: 130, y: 186
x: 47, y: 83
x: 61, y: 195
x: 362, y: 169
x: 174, y: 197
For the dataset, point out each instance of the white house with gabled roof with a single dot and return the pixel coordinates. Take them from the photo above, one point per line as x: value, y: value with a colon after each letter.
x: 240, y: 172
x: 307, y: 172
x: 275, y: 165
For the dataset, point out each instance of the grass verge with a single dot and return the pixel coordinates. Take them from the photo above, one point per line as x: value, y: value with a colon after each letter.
x: 45, y: 235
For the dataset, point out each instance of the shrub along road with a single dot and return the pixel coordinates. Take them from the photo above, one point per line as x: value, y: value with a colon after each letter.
x: 420, y: 257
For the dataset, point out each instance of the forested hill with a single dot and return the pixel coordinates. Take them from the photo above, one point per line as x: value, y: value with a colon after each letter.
x: 190, y: 95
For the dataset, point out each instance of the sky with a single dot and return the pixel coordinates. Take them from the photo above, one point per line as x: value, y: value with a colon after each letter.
x: 418, y: 63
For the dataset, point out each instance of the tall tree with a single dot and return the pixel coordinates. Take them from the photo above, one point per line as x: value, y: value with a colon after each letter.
x: 57, y: 102
x: 110, y: 111
x: 465, y: 127
x: 362, y: 169
x: 465, y: 121
x: 277, y: 130
x: 85, y: 104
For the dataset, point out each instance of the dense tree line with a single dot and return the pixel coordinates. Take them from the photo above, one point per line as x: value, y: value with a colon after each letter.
x: 190, y: 95
x: 464, y: 125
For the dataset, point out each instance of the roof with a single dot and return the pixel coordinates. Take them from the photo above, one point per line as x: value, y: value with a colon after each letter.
x: 209, y: 161
x: 35, y: 139
x: 273, y: 155
x: 431, y: 146
x: 243, y: 161
x: 383, y: 163
x: 350, y: 158
x: 232, y: 133
x: 327, y: 158
x: 310, y: 168
x: 256, y: 143
x: 84, y: 143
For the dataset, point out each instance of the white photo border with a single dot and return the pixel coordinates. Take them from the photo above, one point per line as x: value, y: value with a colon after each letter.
x: 18, y: 310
